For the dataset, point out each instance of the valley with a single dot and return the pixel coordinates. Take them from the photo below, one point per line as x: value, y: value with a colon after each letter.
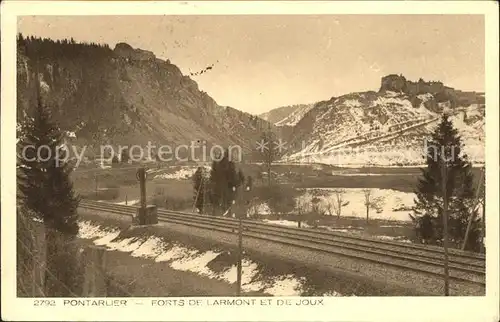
x: 171, y: 187
x: 347, y: 167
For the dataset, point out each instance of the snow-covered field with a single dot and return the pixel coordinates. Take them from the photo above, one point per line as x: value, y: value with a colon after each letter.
x: 394, y: 205
x: 182, y: 258
x: 184, y: 172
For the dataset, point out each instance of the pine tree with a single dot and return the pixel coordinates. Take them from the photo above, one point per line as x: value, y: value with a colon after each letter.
x: 445, y: 146
x: 199, y: 187
x: 223, y: 177
x: 44, y: 187
x: 124, y: 156
x: 268, y: 153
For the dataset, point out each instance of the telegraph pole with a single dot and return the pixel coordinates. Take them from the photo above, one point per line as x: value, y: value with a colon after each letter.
x: 204, y: 189
x: 483, y: 222
x: 141, y: 176
x: 445, y: 224
x: 240, y: 255
x: 476, y: 203
x: 483, y: 228
x: 241, y: 212
x: 96, y: 195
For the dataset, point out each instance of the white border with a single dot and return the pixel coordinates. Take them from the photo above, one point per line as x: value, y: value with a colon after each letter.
x: 339, y: 309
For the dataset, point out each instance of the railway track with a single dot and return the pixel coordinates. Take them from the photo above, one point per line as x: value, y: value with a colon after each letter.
x: 463, y: 266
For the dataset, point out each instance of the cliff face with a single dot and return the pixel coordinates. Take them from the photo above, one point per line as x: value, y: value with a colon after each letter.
x: 124, y: 50
x: 125, y: 96
x: 441, y: 93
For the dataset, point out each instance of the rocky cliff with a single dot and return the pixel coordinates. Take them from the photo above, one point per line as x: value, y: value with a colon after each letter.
x: 125, y: 96
x: 440, y: 92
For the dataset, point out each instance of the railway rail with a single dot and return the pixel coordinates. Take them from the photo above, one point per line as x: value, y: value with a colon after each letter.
x: 463, y: 266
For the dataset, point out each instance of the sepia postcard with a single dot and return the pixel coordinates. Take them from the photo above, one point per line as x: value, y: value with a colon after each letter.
x: 250, y: 161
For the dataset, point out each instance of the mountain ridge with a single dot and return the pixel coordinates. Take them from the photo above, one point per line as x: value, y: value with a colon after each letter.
x: 125, y: 96
x: 129, y: 96
x: 385, y: 128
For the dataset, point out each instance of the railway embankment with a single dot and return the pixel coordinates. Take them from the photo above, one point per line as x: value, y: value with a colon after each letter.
x: 279, y: 264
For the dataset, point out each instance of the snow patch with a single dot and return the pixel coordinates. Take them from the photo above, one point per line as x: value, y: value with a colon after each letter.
x: 70, y: 134
x: 391, y: 94
x: 180, y: 174
x: 393, y: 238
x: 259, y: 209
x: 183, y: 173
x: 295, y: 117
x: 425, y: 97
x: 352, y: 103
x: 43, y: 85
x: 286, y: 286
x: 287, y: 223
x: 128, y: 202
x: 181, y: 258
x: 152, y: 247
x: 196, y: 263
x: 173, y: 253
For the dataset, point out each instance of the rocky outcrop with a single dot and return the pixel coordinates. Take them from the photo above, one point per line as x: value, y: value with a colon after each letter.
x: 393, y: 82
x: 126, y: 51
x: 440, y: 92
x: 398, y: 83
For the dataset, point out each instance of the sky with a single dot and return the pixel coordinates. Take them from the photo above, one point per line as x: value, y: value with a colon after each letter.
x: 267, y: 61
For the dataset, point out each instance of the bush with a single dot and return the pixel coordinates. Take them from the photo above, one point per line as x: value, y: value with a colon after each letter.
x: 279, y: 198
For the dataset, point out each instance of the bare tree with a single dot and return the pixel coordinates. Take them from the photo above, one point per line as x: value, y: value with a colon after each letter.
x: 253, y: 208
x: 372, y: 202
x: 301, y: 207
x: 316, y: 210
x: 316, y: 206
x: 330, y: 208
x: 269, y: 152
x: 338, y: 203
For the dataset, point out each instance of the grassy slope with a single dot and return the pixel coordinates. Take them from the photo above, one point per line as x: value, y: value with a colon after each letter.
x: 320, y: 280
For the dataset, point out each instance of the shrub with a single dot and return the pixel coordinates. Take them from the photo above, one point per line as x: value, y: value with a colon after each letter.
x: 279, y: 198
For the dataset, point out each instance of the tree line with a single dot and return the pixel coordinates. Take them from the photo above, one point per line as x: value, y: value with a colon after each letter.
x: 216, y: 189
x: 38, y: 48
